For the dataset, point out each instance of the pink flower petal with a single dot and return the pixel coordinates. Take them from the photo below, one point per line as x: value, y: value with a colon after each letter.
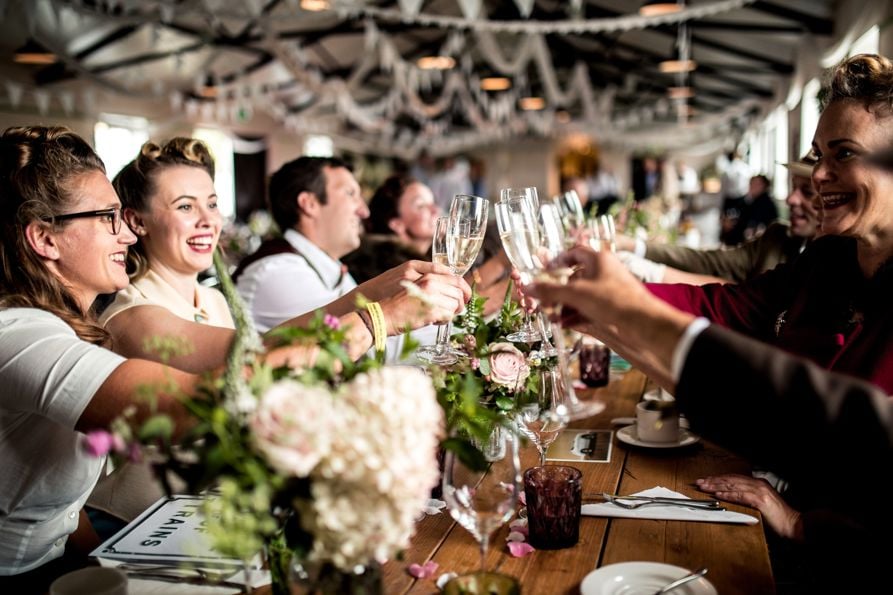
x: 522, y: 529
x: 98, y: 443
x: 522, y: 498
x: 424, y: 570
x: 519, y: 549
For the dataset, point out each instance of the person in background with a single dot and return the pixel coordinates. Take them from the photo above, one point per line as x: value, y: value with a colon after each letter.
x: 317, y: 203
x: 735, y: 176
x: 781, y: 242
x: 747, y: 217
x: 400, y: 227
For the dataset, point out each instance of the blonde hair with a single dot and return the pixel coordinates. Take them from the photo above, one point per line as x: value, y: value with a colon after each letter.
x: 136, y: 184
x: 38, y: 166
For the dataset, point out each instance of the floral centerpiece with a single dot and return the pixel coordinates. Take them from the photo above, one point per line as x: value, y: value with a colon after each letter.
x: 495, y: 379
x: 329, y: 465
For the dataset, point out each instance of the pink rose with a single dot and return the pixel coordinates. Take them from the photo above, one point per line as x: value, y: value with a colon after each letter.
x: 508, y: 366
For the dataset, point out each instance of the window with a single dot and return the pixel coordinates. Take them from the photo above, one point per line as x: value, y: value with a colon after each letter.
x: 118, y: 140
x: 221, y: 146
x: 809, y: 114
x: 318, y: 146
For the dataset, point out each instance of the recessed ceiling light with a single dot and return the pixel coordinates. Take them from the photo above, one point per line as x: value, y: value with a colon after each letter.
x: 532, y: 104
x: 315, y: 5
x: 435, y: 62
x: 677, y: 66
x: 655, y: 8
x: 495, y: 83
x: 680, y: 92
x: 33, y: 53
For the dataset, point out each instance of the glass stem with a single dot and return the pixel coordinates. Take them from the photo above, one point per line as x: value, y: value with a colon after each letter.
x: 563, y: 365
x: 443, y: 337
x: 545, y: 345
x: 542, y: 450
x: 484, y: 543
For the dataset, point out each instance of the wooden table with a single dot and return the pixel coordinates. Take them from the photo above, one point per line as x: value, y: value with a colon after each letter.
x: 736, y: 555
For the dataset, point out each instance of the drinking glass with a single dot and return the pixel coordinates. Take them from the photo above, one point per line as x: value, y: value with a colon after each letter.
x: 527, y: 333
x: 521, y: 240
x: 552, y: 242
x: 460, y: 238
x: 543, y: 419
x: 602, y: 233
x: 482, y: 500
x: 572, y: 215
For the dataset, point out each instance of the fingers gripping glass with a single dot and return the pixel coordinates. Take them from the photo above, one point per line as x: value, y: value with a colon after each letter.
x: 111, y: 216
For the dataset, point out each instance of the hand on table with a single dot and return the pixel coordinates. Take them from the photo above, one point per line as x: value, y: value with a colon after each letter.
x: 756, y: 493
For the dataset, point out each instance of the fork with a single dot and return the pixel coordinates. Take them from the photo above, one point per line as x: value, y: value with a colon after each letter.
x: 709, y: 505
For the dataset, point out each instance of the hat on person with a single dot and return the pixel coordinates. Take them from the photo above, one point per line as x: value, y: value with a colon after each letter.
x: 803, y: 167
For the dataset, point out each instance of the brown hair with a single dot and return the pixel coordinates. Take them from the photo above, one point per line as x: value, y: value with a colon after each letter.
x: 866, y: 78
x: 304, y: 174
x: 136, y: 183
x: 38, y: 166
x: 385, y: 203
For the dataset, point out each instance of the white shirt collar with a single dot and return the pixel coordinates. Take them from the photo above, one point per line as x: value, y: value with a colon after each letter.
x: 331, y: 271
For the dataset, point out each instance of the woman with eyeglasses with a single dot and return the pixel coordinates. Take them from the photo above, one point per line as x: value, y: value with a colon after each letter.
x: 63, y: 244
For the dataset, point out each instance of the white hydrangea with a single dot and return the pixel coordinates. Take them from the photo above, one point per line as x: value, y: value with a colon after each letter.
x: 376, y: 478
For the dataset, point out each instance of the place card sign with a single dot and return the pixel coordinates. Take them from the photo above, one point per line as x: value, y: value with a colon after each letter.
x: 171, y: 531
x: 581, y: 446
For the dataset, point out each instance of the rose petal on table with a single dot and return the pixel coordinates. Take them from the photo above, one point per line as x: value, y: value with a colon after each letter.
x: 579, y: 385
x: 445, y: 578
x: 423, y: 570
x: 520, y: 549
x: 516, y: 536
x: 522, y: 498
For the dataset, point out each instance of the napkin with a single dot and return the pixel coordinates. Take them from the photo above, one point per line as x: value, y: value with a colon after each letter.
x: 667, y: 513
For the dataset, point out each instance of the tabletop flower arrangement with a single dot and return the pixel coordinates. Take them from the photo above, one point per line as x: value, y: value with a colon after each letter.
x: 328, y: 466
x: 482, y: 390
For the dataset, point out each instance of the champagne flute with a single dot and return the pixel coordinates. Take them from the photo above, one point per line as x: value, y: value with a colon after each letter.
x: 572, y: 215
x: 507, y: 216
x: 521, y: 241
x: 602, y: 233
x: 543, y: 419
x: 482, y: 500
x: 552, y: 243
x: 460, y: 239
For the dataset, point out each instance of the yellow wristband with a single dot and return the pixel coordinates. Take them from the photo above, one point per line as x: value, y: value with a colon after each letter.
x: 379, y: 327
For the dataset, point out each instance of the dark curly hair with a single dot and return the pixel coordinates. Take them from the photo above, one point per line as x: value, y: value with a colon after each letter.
x: 385, y: 203
x: 38, y: 168
x: 136, y: 183
x: 866, y: 78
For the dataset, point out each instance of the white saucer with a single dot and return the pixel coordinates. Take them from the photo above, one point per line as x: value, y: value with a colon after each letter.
x: 630, y: 435
x: 641, y: 578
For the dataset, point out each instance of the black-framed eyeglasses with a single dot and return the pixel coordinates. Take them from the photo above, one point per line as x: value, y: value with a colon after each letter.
x: 111, y: 215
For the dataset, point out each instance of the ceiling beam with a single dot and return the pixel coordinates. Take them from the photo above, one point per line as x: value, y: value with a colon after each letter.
x: 745, y: 27
x: 813, y: 24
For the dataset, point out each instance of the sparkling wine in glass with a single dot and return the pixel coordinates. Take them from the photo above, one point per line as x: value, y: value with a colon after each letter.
x: 460, y: 240
x: 527, y: 333
x: 602, y: 234
x: 552, y: 242
x: 572, y: 215
x: 483, y: 500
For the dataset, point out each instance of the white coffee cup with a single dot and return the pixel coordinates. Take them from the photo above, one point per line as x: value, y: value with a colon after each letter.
x: 93, y: 580
x: 657, y: 421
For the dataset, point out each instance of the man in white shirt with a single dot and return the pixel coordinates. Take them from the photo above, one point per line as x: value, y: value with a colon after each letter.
x: 318, y: 204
